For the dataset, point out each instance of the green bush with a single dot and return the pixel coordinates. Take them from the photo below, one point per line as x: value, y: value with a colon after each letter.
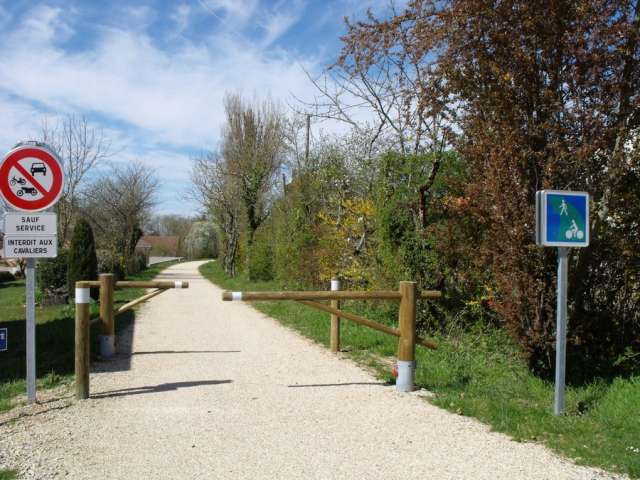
x: 260, y: 262
x: 110, y: 262
x: 83, y: 262
x: 6, y: 277
x: 52, y: 272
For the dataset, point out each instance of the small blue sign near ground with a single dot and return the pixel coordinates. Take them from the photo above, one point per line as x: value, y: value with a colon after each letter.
x: 562, y: 218
x: 3, y: 339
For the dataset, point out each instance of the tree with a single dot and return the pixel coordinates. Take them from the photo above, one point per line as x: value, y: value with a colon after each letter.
x: 119, y: 204
x: 201, y: 241
x: 538, y: 98
x: 217, y: 191
x: 82, y: 260
x: 252, y: 148
x: 81, y: 148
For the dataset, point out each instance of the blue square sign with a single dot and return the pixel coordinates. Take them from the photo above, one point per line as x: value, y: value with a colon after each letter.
x: 3, y: 339
x: 562, y: 218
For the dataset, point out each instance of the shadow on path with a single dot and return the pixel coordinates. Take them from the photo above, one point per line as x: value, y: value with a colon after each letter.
x: 380, y: 384
x: 165, y: 352
x: 163, y: 387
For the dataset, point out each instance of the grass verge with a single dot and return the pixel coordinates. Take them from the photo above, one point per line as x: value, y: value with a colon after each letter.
x: 479, y: 373
x: 54, y: 337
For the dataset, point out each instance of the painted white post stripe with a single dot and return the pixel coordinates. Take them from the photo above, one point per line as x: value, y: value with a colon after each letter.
x: 236, y: 295
x: 406, y: 375
x: 82, y: 295
x: 178, y: 284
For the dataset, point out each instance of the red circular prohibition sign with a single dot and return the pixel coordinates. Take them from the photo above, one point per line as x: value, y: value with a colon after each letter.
x: 50, y: 196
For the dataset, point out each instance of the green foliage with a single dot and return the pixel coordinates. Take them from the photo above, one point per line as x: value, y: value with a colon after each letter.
x: 52, y: 272
x: 260, y: 258
x: 83, y: 263
x: 8, y: 474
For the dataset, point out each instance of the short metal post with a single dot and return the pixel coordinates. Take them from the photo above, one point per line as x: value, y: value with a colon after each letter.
x: 82, y: 340
x: 335, y: 320
x: 31, y: 329
x: 407, y: 343
x: 107, y: 324
x: 561, y: 330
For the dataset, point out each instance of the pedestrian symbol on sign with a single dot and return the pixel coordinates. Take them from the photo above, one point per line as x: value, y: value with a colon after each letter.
x: 563, y: 208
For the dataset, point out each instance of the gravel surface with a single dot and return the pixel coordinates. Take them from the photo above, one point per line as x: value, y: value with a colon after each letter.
x: 202, y: 389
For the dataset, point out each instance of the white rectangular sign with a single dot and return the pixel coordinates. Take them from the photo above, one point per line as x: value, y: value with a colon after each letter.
x: 30, y: 246
x: 31, y: 224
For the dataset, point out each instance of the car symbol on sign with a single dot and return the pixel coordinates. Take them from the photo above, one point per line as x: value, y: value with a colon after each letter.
x: 38, y: 167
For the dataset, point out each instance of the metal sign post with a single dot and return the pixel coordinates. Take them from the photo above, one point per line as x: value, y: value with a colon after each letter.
x: 562, y: 220
x: 31, y: 329
x: 561, y: 331
x: 31, y: 180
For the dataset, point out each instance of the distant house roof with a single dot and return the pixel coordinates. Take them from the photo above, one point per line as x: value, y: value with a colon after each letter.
x: 162, y: 244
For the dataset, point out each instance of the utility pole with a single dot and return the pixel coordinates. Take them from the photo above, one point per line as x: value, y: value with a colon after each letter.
x: 306, y: 146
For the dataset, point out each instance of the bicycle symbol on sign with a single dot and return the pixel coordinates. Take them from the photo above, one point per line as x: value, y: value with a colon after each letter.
x: 574, y: 232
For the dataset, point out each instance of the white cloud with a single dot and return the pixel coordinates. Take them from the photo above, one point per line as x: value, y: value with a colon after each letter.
x: 158, y: 104
x: 181, y: 16
x: 238, y: 10
x: 19, y: 121
x: 277, y: 23
x: 176, y: 97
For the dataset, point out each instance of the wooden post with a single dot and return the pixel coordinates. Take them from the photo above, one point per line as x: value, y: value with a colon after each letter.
x: 335, y: 320
x: 107, y: 324
x: 407, y: 344
x: 82, y: 340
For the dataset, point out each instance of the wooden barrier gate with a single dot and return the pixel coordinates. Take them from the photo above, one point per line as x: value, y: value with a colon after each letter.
x: 408, y: 296
x: 107, y: 285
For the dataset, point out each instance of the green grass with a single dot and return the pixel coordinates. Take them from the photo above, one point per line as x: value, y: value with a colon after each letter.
x: 54, y: 337
x: 8, y: 474
x: 480, y: 373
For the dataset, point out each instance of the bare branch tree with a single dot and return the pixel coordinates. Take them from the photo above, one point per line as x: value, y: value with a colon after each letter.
x: 119, y: 204
x: 81, y: 147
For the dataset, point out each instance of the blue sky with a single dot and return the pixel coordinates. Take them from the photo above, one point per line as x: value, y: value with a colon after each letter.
x: 152, y: 74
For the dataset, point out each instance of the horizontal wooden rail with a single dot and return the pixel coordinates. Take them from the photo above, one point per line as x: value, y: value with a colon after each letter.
x: 366, y: 322
x: 153, y: 284
x: 142, y: 284
x: 133, y: 303
x: 323, y: 295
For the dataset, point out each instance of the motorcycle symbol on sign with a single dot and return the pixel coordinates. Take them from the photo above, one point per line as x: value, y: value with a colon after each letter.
x: 20, y: 180
x: 30, y: 190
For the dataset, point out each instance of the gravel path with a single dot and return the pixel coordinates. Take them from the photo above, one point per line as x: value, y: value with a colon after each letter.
x: 211, y: 390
